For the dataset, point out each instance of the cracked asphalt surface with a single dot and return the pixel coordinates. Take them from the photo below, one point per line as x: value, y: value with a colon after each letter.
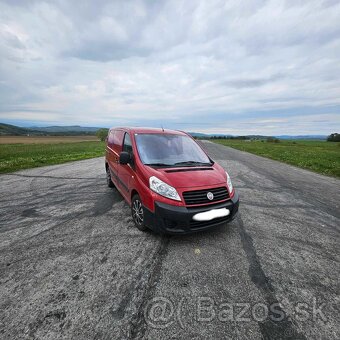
x: 73, y: 266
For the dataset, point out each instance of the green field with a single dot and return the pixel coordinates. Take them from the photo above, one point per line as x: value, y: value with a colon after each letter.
x: 23, y: 156
x: 319, y: 156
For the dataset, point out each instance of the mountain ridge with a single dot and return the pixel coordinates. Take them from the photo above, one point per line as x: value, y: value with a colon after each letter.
x: 74, y: 130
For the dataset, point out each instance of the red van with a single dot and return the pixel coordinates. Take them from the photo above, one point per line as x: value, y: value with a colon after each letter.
x: 171, y: 184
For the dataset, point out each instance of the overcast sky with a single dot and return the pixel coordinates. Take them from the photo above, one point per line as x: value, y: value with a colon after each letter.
x: 239, y: 67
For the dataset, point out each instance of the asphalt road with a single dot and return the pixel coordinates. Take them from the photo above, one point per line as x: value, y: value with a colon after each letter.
x: 74, y: 267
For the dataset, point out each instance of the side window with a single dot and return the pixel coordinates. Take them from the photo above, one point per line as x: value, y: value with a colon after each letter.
x: 110, y: 137
x: 118, y: 140
x: 127, y: 145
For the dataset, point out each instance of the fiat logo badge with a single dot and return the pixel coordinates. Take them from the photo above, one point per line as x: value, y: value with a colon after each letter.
x: 210, y: 196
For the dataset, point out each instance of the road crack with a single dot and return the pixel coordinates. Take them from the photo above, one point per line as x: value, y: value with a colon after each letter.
x: 139, y: 324
x: 270, y: 329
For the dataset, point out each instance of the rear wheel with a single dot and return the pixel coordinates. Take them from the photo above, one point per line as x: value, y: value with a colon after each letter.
x: 108, y: 178
x: 137, y: 213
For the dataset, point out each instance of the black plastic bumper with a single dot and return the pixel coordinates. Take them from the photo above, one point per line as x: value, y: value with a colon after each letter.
x: 178, y: 220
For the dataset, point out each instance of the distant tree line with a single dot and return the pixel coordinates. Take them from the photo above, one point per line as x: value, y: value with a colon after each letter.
x: 273, y: 140
x: 268, y: 139
x: 223, y: 137
x: 102, y: 134
x: 230, y: 137
x: 334, y: 137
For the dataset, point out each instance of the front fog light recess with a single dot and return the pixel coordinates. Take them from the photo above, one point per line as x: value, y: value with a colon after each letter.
x: 163, y: 189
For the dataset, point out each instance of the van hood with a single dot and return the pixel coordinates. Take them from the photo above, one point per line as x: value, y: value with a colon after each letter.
x: 186, y: 177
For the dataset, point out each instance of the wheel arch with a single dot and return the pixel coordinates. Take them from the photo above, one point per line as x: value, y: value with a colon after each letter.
x: 133, y: 193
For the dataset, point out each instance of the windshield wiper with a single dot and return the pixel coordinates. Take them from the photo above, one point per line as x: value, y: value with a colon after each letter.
x: 158, y: 164
x: 186, y: 163
x: 192, y: 163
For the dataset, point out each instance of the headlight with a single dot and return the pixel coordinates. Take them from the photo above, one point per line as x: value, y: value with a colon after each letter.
x: 230, y: 185
x: 163, y: 189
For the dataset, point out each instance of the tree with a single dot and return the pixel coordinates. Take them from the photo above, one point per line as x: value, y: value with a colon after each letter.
x: 334, y: 137
x: 273, y: 140
x: 102, y: 134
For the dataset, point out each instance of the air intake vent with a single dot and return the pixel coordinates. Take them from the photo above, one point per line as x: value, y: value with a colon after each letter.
x: 189, y: 169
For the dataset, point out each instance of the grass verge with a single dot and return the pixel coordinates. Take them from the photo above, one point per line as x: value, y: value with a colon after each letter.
x: 318, y: 156
x: 15, y: 157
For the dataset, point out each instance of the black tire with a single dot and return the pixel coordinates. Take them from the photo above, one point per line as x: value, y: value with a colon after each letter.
x: 137, y: 213
x: 108, y: 178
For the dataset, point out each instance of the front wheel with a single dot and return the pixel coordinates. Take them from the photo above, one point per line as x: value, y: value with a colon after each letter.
x: 137, y: 213
x: 108, y: 178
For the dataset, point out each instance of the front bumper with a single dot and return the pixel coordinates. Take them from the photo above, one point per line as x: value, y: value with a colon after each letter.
x: 178, y: 220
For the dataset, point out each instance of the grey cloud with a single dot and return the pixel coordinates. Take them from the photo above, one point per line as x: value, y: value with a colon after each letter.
x: 330, y: 3
x: 252, y: 82
x: 112, y: 30
x: 103, y: 52
x: 172, y: 61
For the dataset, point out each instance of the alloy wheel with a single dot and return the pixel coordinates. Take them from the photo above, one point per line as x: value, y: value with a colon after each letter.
x: 137, y: 212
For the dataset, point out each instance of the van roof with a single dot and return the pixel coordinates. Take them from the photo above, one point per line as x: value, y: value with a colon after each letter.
x: 148, y: 130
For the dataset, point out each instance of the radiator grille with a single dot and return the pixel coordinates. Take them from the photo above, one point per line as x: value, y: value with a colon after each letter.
x: 201, y: 196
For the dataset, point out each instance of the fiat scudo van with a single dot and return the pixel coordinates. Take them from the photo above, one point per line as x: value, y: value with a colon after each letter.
x: 168, y: 180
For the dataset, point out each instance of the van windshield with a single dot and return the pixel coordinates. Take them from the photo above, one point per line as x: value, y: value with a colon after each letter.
x: 169, y: 150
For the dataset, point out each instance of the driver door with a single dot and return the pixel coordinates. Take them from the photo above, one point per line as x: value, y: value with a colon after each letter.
x: 125, y: 172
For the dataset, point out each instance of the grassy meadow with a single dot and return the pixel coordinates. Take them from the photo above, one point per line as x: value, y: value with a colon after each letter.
x: 319, y: 156
x: 22, y: 153
x: 15, y: 157
x: 45, y: 139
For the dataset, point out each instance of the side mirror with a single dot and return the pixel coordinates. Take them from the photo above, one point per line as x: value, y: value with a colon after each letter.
x: 124, y: 158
